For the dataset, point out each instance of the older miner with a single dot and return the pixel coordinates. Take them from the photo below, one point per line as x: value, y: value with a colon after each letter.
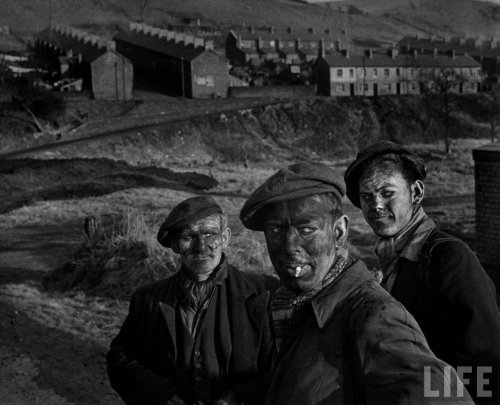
x: 202, y: 335
x: 436, y: 276
x: 339, y: 337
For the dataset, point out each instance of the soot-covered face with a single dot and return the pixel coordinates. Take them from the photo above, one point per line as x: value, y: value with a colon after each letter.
x: 301, y: 237
x: 200, y: 245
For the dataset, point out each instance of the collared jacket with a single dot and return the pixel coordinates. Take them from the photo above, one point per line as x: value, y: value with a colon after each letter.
x: 454, y: 301
x: 143, y: 362
x: 360, y: 346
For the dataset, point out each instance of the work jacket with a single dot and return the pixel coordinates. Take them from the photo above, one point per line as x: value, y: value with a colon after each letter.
x: 145, y: 365
x: 360, y: 346
x: 454, y: 302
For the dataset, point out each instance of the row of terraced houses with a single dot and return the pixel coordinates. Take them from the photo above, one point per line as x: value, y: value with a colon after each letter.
x: 189, y: 66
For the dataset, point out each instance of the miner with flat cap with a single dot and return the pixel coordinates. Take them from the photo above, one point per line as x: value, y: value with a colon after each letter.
x: 339, y: 338
x: 201, y: 336
x: 434, y: 274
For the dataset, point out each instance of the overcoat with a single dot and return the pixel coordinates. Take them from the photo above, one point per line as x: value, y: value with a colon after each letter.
x: 360, y: 346
x: 143, y: 356
x: 454, y: 302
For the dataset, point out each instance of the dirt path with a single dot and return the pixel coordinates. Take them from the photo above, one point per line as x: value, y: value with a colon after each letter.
x: 49, y: 350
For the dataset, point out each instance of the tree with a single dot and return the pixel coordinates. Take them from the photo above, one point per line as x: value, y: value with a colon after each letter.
x: 494, y: 109
x: 437, y: 87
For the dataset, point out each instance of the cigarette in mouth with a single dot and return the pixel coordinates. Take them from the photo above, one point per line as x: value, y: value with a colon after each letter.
x: 297, y: 271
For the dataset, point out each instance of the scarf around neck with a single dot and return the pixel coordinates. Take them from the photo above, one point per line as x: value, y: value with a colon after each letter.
x: 287, y: 306
x: 407, y: 242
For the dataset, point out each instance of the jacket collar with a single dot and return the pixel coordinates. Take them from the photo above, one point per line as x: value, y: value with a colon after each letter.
x: 326, y: 302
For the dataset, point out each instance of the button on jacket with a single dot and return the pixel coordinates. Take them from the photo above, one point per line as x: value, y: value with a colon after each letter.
x: 359, y: 346
x: 152, y: 358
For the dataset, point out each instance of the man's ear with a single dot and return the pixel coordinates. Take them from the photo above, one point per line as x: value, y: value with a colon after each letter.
x: 226, y: 237
x: 417, y: 192
x: 341, y: 230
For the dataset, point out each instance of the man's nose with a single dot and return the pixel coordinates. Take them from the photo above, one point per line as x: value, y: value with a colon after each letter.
x: 377, y: 203
x: 200, y: 244
x: 292, y: 245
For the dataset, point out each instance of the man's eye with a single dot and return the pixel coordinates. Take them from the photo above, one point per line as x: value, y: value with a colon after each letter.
x: 186, y: 237
x: 306, y: 230
x: 209, y: 234
x: 273, y: 229
x: 387, y: 194
x: 366, y: 198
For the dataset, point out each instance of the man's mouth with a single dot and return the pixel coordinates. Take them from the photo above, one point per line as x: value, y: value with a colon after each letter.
x: 296, y: 270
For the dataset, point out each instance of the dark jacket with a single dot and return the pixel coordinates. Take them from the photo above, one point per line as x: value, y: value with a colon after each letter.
x: 359, y: 346
x: 454, y: 302
x: 143, y: 356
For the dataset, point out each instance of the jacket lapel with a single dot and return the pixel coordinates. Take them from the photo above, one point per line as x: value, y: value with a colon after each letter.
x: 167, y: 309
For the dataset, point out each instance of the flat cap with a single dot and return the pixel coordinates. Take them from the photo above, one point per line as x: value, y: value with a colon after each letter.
x: 298, y: 180
x: 378, y: 149
x: 185, y: 213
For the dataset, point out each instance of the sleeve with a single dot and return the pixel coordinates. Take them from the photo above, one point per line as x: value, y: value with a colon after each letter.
x: 253, y: 391
x: 134, y: 382
x: 466, y: 317
x: 396, y: 364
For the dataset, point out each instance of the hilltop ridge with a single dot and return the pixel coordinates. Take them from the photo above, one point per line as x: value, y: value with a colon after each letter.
x: 386, y: 20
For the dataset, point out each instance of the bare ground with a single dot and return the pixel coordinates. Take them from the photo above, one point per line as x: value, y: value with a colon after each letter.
x: 53, y: 344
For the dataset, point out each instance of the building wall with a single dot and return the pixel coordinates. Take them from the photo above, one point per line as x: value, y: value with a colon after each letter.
x: 112, y: 77
x: 210, y: 76
x: 487, y: 176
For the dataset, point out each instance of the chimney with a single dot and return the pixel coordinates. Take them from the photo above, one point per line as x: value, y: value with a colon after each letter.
x: 393, y: 52
x: 338, y: 45
x: 80, y: 58
x: 346, y: 53
x: 198, y: 42
x: 322, y: 46
x: 369, y: 53
x: 279, y: 44
x: 453, y: 54
x: 310, y: 30
x: 179, y: 37
x: 111, y: 45
x: 251, y: 29
x: 298, y: 43
x: 188, y: 39
x: 435, y: 53
x: 289, y: 30
x: 271, y: 29
x: 209, y: 44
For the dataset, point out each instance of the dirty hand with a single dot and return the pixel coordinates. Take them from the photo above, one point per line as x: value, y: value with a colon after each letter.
x: 175, y: 400
x: 229, y: 399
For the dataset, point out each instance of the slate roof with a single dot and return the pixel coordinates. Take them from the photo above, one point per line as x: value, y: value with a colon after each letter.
x: 381, y: 60
x: 65, y: 42
x: 162, y: 45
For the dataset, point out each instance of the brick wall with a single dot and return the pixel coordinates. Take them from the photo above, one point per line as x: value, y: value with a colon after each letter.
x: 487, y: 176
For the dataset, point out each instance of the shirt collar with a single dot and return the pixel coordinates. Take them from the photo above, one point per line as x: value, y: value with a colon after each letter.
x: 325, y: 303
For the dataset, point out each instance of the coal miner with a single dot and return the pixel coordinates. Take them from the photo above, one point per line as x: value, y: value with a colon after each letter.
x: 435, y: 275
x: 339, y: 337
x: 201, y: 336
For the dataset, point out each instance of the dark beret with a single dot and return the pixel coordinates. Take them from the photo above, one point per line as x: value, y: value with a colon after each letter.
x: 185, y: 213
x: 354, y: 170
x: 298, y: 180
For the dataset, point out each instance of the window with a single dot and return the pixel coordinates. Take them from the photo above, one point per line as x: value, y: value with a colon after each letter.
x: 351, y: 72
x: 398, y: 72
x: 365, y: 87
x: 375, y: 73
x: 340, y: 88
x: 363, y: 73
x: 471, y: 72
x: 210, y: 81
x: 389, y: 87
x: 339, y: 72
x: 386, y: 72
x: 414, y: 86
